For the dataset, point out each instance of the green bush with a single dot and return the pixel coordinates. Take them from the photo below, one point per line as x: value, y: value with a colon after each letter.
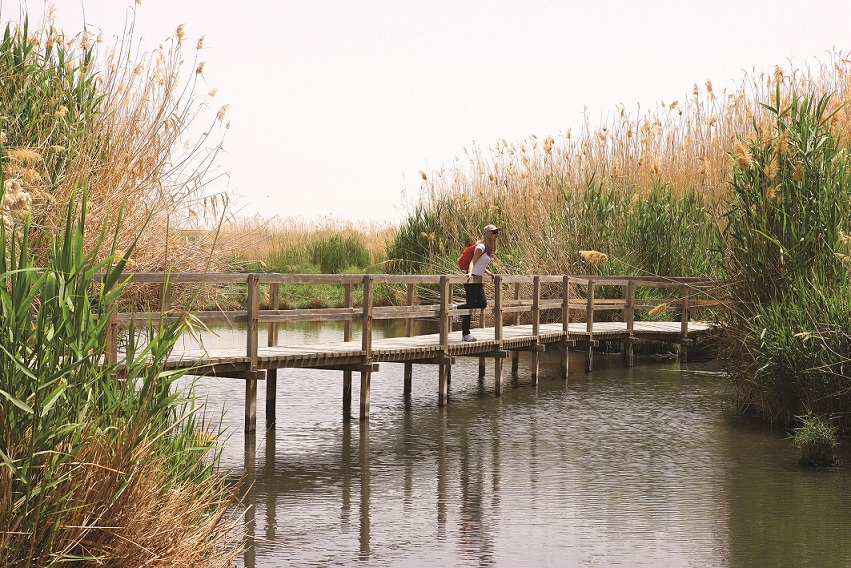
x: 336, y: 253
x: 817, y: 439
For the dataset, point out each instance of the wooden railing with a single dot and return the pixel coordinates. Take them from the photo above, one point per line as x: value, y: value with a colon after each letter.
x: 575, y: 296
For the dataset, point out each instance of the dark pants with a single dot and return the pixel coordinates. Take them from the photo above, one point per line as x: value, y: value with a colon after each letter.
x: 475, y: 299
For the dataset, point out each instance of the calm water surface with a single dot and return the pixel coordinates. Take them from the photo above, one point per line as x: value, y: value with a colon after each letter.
x: 617, y: 467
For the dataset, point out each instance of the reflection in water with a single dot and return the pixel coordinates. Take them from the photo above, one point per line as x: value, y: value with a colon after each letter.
x: 633, y: 467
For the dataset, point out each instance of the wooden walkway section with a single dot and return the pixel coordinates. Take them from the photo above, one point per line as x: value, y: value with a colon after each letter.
x: 512, y: 323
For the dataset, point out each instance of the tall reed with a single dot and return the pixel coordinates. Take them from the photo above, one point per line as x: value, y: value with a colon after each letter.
x: 787, y: 246
x: 125, y: 123
x: 98, y: 464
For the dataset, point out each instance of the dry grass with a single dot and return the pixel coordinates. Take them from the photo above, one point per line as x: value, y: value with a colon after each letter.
x: 149, y: 146
x: 120, y: 509
x: 257, y: 241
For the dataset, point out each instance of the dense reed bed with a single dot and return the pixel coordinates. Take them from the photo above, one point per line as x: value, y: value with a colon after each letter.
x: 100, y: 466
x: 649, y: 190
x: 787, y: 259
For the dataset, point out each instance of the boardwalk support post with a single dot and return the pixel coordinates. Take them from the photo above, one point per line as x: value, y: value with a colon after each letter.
x: 685, y: 292
x: 536, y: 326
x: 366, y: 342
x: 272, y: 374
x: 565, y: 324
x: 347, y: 375
x: 589, y: 328
x: 515, y: 355
x: 251, y: 378
x: 628, y: 347
x: 498, y: 362
x: 409, y: 331
x: 443, y: 378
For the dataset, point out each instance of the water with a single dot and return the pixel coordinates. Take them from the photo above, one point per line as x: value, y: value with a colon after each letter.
x: 617, y: 467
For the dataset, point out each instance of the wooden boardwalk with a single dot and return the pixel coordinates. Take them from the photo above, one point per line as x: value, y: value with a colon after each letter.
x: 512, y: 323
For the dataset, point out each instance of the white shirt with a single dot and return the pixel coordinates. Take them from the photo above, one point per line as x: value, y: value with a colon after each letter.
x: 482, y: 263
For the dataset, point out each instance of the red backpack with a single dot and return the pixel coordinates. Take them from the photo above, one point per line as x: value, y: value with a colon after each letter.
x: 466, y: 257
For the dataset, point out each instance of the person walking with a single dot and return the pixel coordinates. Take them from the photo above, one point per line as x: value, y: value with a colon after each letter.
x: 478, y: 268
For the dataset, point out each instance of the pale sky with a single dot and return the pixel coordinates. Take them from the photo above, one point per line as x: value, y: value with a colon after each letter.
x: 336, y: 105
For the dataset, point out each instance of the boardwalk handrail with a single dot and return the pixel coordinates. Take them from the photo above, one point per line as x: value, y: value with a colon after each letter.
x: 569, y: 300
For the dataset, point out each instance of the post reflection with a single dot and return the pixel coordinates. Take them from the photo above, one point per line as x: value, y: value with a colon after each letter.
x: 346, y: 474
x: 441, y: 476
x: 249, y: 498
x: 269, y: 478
x: 364, y: 490
x: 474, y: 537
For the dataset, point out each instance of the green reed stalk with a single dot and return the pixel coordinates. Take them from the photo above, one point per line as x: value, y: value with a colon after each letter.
x: 80, y: 446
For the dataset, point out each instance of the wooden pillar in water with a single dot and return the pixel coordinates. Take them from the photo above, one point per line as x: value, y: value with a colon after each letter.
x: 481, y: 326
x: 536, y: 326
x: 272, y: 341
x: 565, y: 324
x: 685, y: 291
x: 515, y: 355
x: 347, y: 336
x: 444, y: 366
x: 250, y: 404
x: 252, y: 341
x: 628, y: 348
x: 497, y: 326
x: 589, y: 327
x: 366, y: 342
x: 409, y: 331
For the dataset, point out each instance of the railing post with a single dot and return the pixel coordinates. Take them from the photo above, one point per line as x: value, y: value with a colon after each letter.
x: 347, y: 375
x: 165, y: 296
x: 497, y: 333
x: 272, y: 341
x: 536, y: 326
x: 628, y: 347
x: 111, y: 345
x: 589, y: 328
x: 252, y: 309
x: 515, y: 355
x: 252, y: 340
x: 366, y: 346
x: 565, y: 324
x: 409, y: 331
x: 685, y: 291
x: 443, y: 379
